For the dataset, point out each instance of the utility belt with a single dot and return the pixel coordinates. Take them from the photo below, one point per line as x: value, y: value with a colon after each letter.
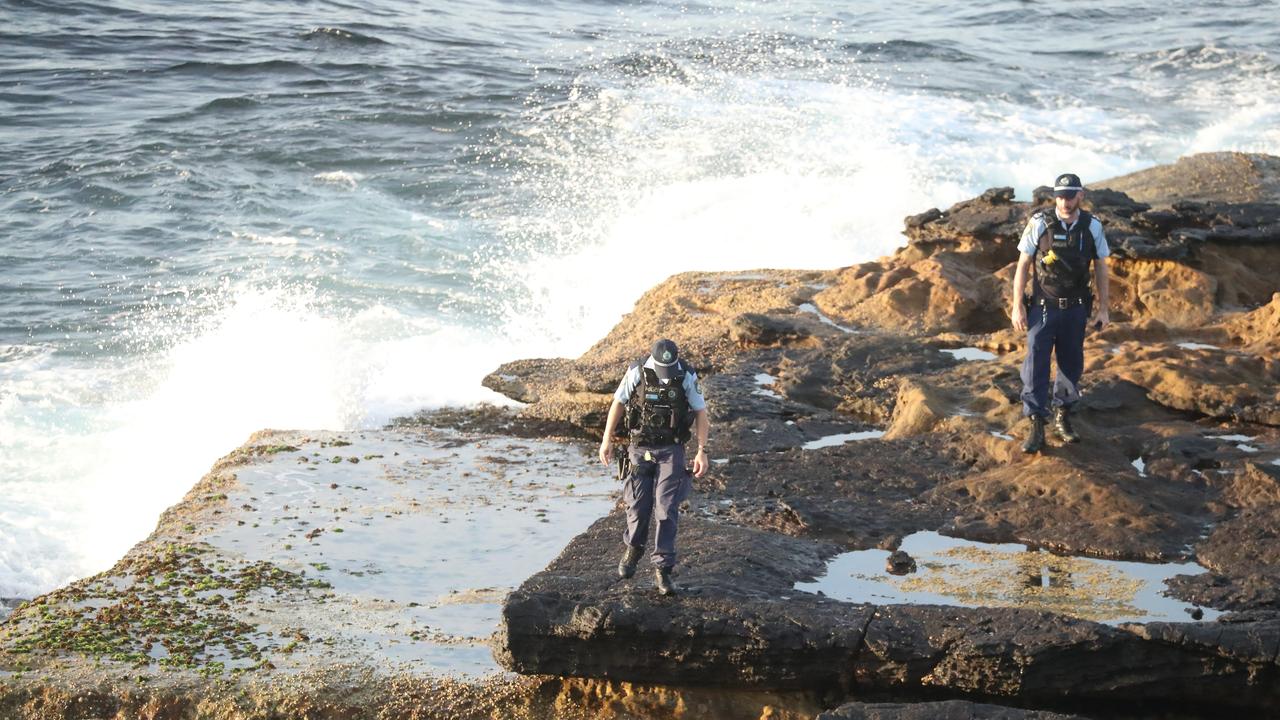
x: 624, y: 464
x: 1060, y: 303
x: 655, y: 441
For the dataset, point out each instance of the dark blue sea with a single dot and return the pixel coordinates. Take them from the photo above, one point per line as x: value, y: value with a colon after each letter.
x: 218, y: 217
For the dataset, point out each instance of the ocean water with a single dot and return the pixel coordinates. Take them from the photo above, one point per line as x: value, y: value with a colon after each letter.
x: 226, y: 216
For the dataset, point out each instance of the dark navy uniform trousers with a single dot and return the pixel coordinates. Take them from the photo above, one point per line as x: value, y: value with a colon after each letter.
x: 658, y: 483
x: 1060, y: 332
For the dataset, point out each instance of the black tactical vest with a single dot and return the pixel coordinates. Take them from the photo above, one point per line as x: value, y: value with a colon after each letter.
x: 1064, y: 257
x: 658, y: 414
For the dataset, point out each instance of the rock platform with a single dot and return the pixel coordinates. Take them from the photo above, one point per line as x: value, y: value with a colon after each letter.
x: 461, y: 565
x: 1181, y: 462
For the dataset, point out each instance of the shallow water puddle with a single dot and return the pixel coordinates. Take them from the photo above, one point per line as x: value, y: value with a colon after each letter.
x: 420, y: 535
x: 765, y: 380
x: 970, y: 354
x: 7, y: 606
x: 1241, y: 441
x: 842, y: 438
x: 813, y: 309
x: 951, y: 571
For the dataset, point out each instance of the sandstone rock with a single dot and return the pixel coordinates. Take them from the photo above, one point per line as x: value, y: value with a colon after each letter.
x: 1258, y: 331
x: 860, y: 345
x: 1025, y: 655
x: 990, y: 217
x: 1086, y: 501
x: 1250, y: 541
x: 946, y: 291
x: 1210, y: 381
x: 1254, y: 485
x: 900, y: 563
x: 858, y: 494
x: 1247, y: 589
x: 1253, y: 642
x: 696, y: 309
x: 919, y: 408
x: 1170, y: 293
x: 758, y: 329
x: 924, y: 218
x: 1221, y: 176
x: 730, y: 626
x: 740, y: 623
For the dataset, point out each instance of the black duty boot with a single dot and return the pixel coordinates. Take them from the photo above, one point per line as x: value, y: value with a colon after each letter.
x: 1062, y: 425
x: 663, y: 577
x: 1035, y: 441
x: 627, y: 565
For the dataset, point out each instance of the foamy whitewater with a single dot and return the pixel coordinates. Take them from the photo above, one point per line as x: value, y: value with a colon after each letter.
x: 225, y: 217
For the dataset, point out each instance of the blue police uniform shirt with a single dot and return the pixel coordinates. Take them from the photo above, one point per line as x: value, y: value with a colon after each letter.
x: 1036, y: 227
x: 631, y: 381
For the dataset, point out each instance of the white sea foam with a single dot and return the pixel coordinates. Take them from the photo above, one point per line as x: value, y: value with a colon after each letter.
x: 1235, y: 90
x: 105, y: 453
x: 267, y: 239
x: 340, y: 177
x: 735, y: 172
x: 17, y: 359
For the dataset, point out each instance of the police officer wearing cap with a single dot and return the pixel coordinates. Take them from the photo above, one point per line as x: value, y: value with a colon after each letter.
x: 662, y: 402
x: 1058, y: 248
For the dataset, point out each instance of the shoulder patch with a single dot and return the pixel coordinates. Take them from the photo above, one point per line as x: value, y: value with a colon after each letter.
x: 697, y: 386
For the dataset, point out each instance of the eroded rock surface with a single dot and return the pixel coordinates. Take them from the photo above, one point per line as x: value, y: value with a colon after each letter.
x: 845, y: 416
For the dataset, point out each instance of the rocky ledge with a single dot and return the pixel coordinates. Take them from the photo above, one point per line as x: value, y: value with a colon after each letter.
x: 314, y: 575
x: 913, y: 353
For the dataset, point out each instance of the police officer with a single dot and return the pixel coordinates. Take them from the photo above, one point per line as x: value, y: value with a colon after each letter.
x: 661, y: 399
x: 1058, y: 248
